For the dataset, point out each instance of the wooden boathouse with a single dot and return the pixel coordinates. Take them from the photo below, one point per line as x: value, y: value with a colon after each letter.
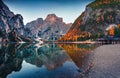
x: 109, y: 40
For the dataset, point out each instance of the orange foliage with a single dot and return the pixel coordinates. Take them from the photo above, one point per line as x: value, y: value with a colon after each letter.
x: 111, y: 31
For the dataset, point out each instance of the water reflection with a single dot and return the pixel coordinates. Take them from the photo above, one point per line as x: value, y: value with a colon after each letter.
x: 78, y: 52
x: 8, y: 60
x: 42, y: 61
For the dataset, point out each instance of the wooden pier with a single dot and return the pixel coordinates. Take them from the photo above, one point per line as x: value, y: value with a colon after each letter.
x: 108, y: 41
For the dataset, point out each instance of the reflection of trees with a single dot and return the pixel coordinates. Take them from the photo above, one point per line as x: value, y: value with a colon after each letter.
x: 49, y: 55
x: 9, y: 61
x: 12, y: 55
x: 55, y: 56
x: 77, y: 52
x: 30, y: 55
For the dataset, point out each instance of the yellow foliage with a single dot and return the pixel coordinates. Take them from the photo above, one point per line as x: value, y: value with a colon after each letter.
x: 111, y: 31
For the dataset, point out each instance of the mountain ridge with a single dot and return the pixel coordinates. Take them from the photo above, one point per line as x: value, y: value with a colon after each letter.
x: 94, y: 20
x: 11, y: 25
x: 50, y: 28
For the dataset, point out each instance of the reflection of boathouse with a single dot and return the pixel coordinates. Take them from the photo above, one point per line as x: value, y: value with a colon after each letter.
x: 109, y: 40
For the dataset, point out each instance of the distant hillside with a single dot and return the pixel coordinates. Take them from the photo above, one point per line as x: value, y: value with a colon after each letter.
x: 94, y: 21
x: 50, y: 29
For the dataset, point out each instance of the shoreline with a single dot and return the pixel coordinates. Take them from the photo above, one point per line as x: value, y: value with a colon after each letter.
x: 105, y: 61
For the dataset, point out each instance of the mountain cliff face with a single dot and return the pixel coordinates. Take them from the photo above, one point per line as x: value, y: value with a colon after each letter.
x: 50, y: 29
x: 94, y: 21
x: 11, y: 25
x: 33, y: 27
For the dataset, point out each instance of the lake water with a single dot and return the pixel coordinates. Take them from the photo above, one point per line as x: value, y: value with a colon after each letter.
x: 44, y: 61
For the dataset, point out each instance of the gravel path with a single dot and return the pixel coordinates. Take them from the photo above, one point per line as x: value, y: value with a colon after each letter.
x: 106, y: 62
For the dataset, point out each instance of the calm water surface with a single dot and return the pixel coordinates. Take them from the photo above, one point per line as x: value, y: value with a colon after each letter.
x: 44, y: 61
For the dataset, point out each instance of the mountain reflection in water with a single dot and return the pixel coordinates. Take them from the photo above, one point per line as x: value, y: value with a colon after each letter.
x: 43, y: 61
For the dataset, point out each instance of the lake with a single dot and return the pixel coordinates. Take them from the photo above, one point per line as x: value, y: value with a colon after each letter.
x: 44, y: 61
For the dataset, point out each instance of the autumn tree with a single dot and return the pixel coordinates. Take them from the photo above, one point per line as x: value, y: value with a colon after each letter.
x: 111, y: 31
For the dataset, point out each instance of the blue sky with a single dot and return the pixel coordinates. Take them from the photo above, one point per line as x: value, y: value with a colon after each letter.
x: 69, y: 10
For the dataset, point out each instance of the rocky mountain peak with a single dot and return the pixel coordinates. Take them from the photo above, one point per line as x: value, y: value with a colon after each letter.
x: 51, y: 15
x: 69, y: 24
x: 50, y: 29
x: 40, y: 20
x: 35, y: 23
x: 3, y: 6
x: 9, y: 22
x: 53, y: 18
x: 4, y: 10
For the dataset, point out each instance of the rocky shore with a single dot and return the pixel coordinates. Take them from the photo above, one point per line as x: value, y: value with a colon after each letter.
x: 105, y: 62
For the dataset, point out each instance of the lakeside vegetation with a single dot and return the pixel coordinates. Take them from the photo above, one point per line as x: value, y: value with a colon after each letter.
x: 113, y: 32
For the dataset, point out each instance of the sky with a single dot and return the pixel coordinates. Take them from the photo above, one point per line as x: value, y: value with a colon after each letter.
x: 69, y: 10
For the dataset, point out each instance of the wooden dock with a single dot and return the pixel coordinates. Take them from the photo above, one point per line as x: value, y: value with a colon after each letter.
x: 108, y: 41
